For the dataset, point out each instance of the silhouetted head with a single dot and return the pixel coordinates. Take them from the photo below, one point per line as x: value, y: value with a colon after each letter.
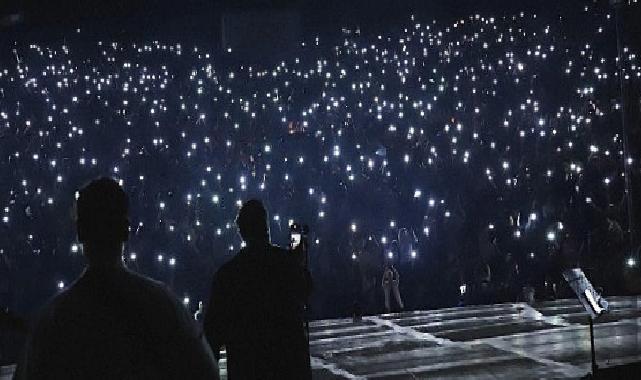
x: 252, y: 223
x: 102, y: 222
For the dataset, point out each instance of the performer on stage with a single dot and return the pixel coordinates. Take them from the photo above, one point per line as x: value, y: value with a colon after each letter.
x: 390, y: 283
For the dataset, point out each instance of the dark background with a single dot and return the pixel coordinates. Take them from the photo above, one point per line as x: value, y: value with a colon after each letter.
x: 200, y: 19
x: 264, y: 39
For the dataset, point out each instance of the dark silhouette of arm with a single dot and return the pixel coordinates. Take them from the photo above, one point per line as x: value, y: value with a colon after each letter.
x: 214, y: 317
x: 190, y: 354
x: 300, y: 272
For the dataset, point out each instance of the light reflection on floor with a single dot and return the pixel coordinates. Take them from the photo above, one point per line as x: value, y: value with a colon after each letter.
x: 506, y: 341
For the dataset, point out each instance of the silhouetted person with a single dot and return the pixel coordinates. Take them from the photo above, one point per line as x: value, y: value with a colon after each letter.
x: 390, y: 283
x: 112, y: 323
x: 256, y: 306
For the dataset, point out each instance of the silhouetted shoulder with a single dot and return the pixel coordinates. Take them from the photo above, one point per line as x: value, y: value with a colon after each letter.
x: 155, y: 298
x: 134, y: 321
x: 152, y: 286
x: 122, y: 283
x: 106, y: 297
x: 230, y: 267
x: 263, y: 264
x: 278, y: 250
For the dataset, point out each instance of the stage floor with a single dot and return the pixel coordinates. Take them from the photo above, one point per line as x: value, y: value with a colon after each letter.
x: 505, y: 341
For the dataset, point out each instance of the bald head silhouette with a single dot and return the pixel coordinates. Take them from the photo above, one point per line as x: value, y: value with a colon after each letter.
x: 252, y: 223
x: 102, y: 222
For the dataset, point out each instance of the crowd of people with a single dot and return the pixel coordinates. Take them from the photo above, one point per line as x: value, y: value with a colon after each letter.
x: 480, y: 157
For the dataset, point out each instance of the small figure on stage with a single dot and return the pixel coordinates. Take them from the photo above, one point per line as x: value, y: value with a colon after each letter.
x: 390, y: 283
x: 198, y: 315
